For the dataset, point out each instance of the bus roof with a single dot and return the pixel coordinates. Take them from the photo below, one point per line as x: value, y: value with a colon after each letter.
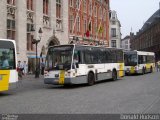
x: 8, y: 40
x: 85, y: 46
x: 140, y: 52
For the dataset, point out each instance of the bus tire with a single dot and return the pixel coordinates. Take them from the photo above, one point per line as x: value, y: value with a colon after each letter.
x: 91, y: 79
x: 114, y: 75
x: 151, y: 69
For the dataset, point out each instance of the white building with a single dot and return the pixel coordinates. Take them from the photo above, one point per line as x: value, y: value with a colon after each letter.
x: 19, y: 16
x: 125, y: 43
x: 115, y: 30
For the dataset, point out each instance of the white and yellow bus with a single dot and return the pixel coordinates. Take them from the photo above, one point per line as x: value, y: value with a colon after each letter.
x: 8, y: 72
x: 139, y: 62
x: 77, y: 64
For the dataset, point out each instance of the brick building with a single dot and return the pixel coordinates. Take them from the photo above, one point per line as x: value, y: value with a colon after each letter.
x: 148, y: 37
x: 89, y: 22
x: 62, y: 22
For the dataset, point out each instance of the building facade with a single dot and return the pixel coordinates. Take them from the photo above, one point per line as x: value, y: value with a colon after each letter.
x: 148, y: 37
x: 89, y: 22
x: 62, y: 22
x: 115, y: 30
x: 125, y: 43
x: 19, y: 16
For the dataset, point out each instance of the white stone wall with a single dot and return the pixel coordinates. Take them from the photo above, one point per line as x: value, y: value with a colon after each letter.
x: 21, y: 35
x: 118, y: 30
x: 126, y: 43
x: 3, y: 20
x: 21, y: 25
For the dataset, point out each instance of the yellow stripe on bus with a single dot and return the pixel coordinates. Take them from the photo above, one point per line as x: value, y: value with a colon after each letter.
x: 62, y: 76
x: 4, y: 80
x: 148, y: 66
x: 121, y: 69
x: 132, y: 70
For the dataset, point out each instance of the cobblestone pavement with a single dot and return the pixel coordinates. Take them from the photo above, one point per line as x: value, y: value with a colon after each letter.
x: 131, y: 94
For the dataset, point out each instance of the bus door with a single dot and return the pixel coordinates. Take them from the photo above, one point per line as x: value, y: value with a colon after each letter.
x: 4, y: 79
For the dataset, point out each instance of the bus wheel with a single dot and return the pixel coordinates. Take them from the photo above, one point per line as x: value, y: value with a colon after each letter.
x: 91, y: 79
x: 114, y: 75
x: 151, y: 69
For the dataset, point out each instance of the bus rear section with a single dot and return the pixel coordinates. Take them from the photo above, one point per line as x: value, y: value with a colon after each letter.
x: 139, y: 62
x: 78, y: 64
x: 8, y: 72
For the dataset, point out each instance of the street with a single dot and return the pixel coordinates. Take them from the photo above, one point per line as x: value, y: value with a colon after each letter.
x: 131, y: 94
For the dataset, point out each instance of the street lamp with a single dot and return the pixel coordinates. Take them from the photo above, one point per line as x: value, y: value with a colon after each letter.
x: 36, y: 41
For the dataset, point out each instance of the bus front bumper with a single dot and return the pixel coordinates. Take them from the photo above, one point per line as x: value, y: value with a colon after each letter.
x: 75, y: 80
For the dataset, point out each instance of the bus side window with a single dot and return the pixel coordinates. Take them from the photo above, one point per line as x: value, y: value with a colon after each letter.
x: 77, y: 58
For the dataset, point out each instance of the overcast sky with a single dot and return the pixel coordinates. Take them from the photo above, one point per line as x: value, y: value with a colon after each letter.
x: 133, y: 13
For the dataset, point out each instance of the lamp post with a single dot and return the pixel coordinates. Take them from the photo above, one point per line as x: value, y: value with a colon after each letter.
x: 36, y: 41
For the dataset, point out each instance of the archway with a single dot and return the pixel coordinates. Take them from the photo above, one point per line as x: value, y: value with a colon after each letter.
x: 53, y: 41
x: 51, y: 44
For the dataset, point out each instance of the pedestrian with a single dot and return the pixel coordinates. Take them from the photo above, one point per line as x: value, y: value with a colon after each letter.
x: 42, y: 67
x: 158, y: 66
x: 19, y: 69
x: 25, y: 67
x: 5, y: 63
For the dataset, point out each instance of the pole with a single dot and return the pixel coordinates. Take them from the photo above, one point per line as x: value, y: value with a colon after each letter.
x: 36, y: 72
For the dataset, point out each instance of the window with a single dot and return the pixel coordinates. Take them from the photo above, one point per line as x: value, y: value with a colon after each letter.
x: 11, y: 2
x: 105, y: 31
x: 130, y: 59
x: 95, y: 11
x: 71, y: 22
x: 45, y: 7
x: 104, y: 15
x: 150, y: 59
x: 126, y: 47
x: 7, y: 58
x: 90, y: 7
x: 29, y: 38
x: 113, y: 15
x: 71, y: 3
x: 85, y: 24
x: 30, y: 5
x: 100, y: 13
x: 113, y: 43
x: 78, y: 24
x: 95, y: 26
x: 113, y: 22
x: 59, y: 14
x: 84, y: 6
x: 113, y: 32
x: 77, y: 4
x: 90, y: 57
x: 11, y: 29
x: 142, y: 59
x: 90, y: 26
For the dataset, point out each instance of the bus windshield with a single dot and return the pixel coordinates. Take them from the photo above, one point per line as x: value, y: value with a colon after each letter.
x: 130, y: 59
x: 59, y: 58
x: 7, y: 60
